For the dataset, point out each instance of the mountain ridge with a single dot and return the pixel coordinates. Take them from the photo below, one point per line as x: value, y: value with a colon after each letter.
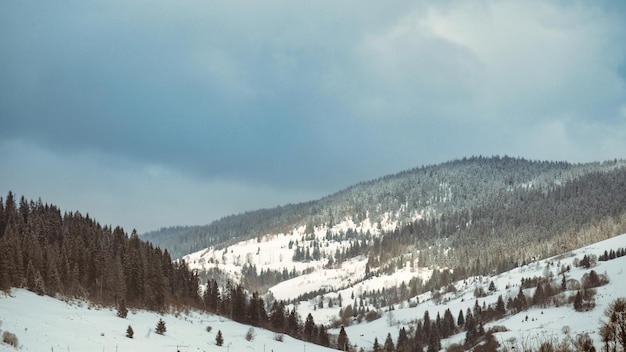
x: 403, y: 196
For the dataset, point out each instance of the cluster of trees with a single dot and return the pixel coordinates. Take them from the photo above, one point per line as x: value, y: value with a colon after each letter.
x: 428, y: 332
x: 233, y: 302
x: 612, y: 254
x: 70, y: 254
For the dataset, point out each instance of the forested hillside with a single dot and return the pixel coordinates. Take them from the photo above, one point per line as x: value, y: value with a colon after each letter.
x: 72, y: 255
x: 459, y: 190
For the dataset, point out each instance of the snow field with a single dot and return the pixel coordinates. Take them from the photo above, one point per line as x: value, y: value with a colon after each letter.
x: 44, y: 323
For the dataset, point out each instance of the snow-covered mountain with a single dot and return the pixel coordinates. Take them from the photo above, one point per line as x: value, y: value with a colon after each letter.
x: 468, y: 187
x: 46, y: 324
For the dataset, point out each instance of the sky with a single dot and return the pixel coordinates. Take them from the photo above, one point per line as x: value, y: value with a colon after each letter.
x: 157, y: 113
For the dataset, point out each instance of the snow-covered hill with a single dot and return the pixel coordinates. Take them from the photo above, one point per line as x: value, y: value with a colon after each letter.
x: 527, y: 328
x: 42, y: 323
x: 47, y: 324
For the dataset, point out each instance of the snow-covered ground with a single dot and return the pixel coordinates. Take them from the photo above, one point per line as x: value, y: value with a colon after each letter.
x: 43, y: 323
x: 542, y: 324
x: 48, y: 324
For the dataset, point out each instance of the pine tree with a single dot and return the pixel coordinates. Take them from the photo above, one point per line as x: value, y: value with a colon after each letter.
x: 130, y: 332
x: 376, y: 346
x: 343, y: 343
x: 160, y: 328
x: 578, y: 302
x: 309, y: 327
x: 447, y: 327
x: 500, y: 307
x: 461, y: 319
x: 434, y: 342
x: 388, y: 346
x: 403, y: 340
x: 322, y: 336
x: 219, y: 339
x: 122, y: 311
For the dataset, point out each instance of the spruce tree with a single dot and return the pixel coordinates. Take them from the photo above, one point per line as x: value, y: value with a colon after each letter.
x: 376, y: 346
x: 309, y: 327
x: 388, y: 347
x: 342, y: 340
x: 578, y: 302
x: 130, y: 332
x: 461, y: 319
x: 403, y: 340
x: 122, y: 311
x: 322, y: 336
x: 160, y: 328
x: 500, y: 307
x: 219, y: 339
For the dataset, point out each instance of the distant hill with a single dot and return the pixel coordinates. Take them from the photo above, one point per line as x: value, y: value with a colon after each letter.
x: 442, y: 193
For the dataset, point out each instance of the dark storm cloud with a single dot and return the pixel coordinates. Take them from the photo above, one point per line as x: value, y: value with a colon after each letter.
x: 285, y: 101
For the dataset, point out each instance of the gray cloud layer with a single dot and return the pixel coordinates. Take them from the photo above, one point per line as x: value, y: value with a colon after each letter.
x: 283, y: 101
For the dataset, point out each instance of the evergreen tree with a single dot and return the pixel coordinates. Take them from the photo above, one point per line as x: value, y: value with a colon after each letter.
x: 160, y: 327
x: 322, y: 336
x: 130, y: 332
x: 122, y: 311
x: 219, y: 339
x: 376, y: 345
x: 448, y: 326
x: 309, y: 327
x: 434, y: 342
x: 500, y: 307
x: 578, y: 302
x: 403, y: 340
x: 461, y: 319
x: 343, y: 343
x: 277, y: 316
x: 293, y: 324
x: 388, y: 347
x: 471, y: 330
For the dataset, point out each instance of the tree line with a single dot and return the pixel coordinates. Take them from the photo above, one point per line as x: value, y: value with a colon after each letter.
x: 70, y: 254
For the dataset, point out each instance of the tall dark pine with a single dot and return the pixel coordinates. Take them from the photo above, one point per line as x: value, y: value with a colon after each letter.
x: 309, y: 328
x: 388, y: 347
x: 322, y: 336
x: 376, y: 345
x: 403, y: 340
x: 343, y: 343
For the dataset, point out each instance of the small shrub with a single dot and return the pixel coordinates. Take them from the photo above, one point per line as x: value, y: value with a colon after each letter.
x: 129, y: 332
x: 209, y: 328
x: 372, y: 315
x: 497, y: 328
x: 583, y: 342
x: 479, y: 292
x: 279, y: 337
x: 250, y: 334
x: 9, y: 338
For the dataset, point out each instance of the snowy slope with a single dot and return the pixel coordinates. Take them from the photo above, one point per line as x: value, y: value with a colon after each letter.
x: 541, y: 324
x: 47, y: 324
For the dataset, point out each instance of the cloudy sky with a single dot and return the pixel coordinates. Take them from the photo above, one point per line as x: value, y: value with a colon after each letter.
x: 156, y: 113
